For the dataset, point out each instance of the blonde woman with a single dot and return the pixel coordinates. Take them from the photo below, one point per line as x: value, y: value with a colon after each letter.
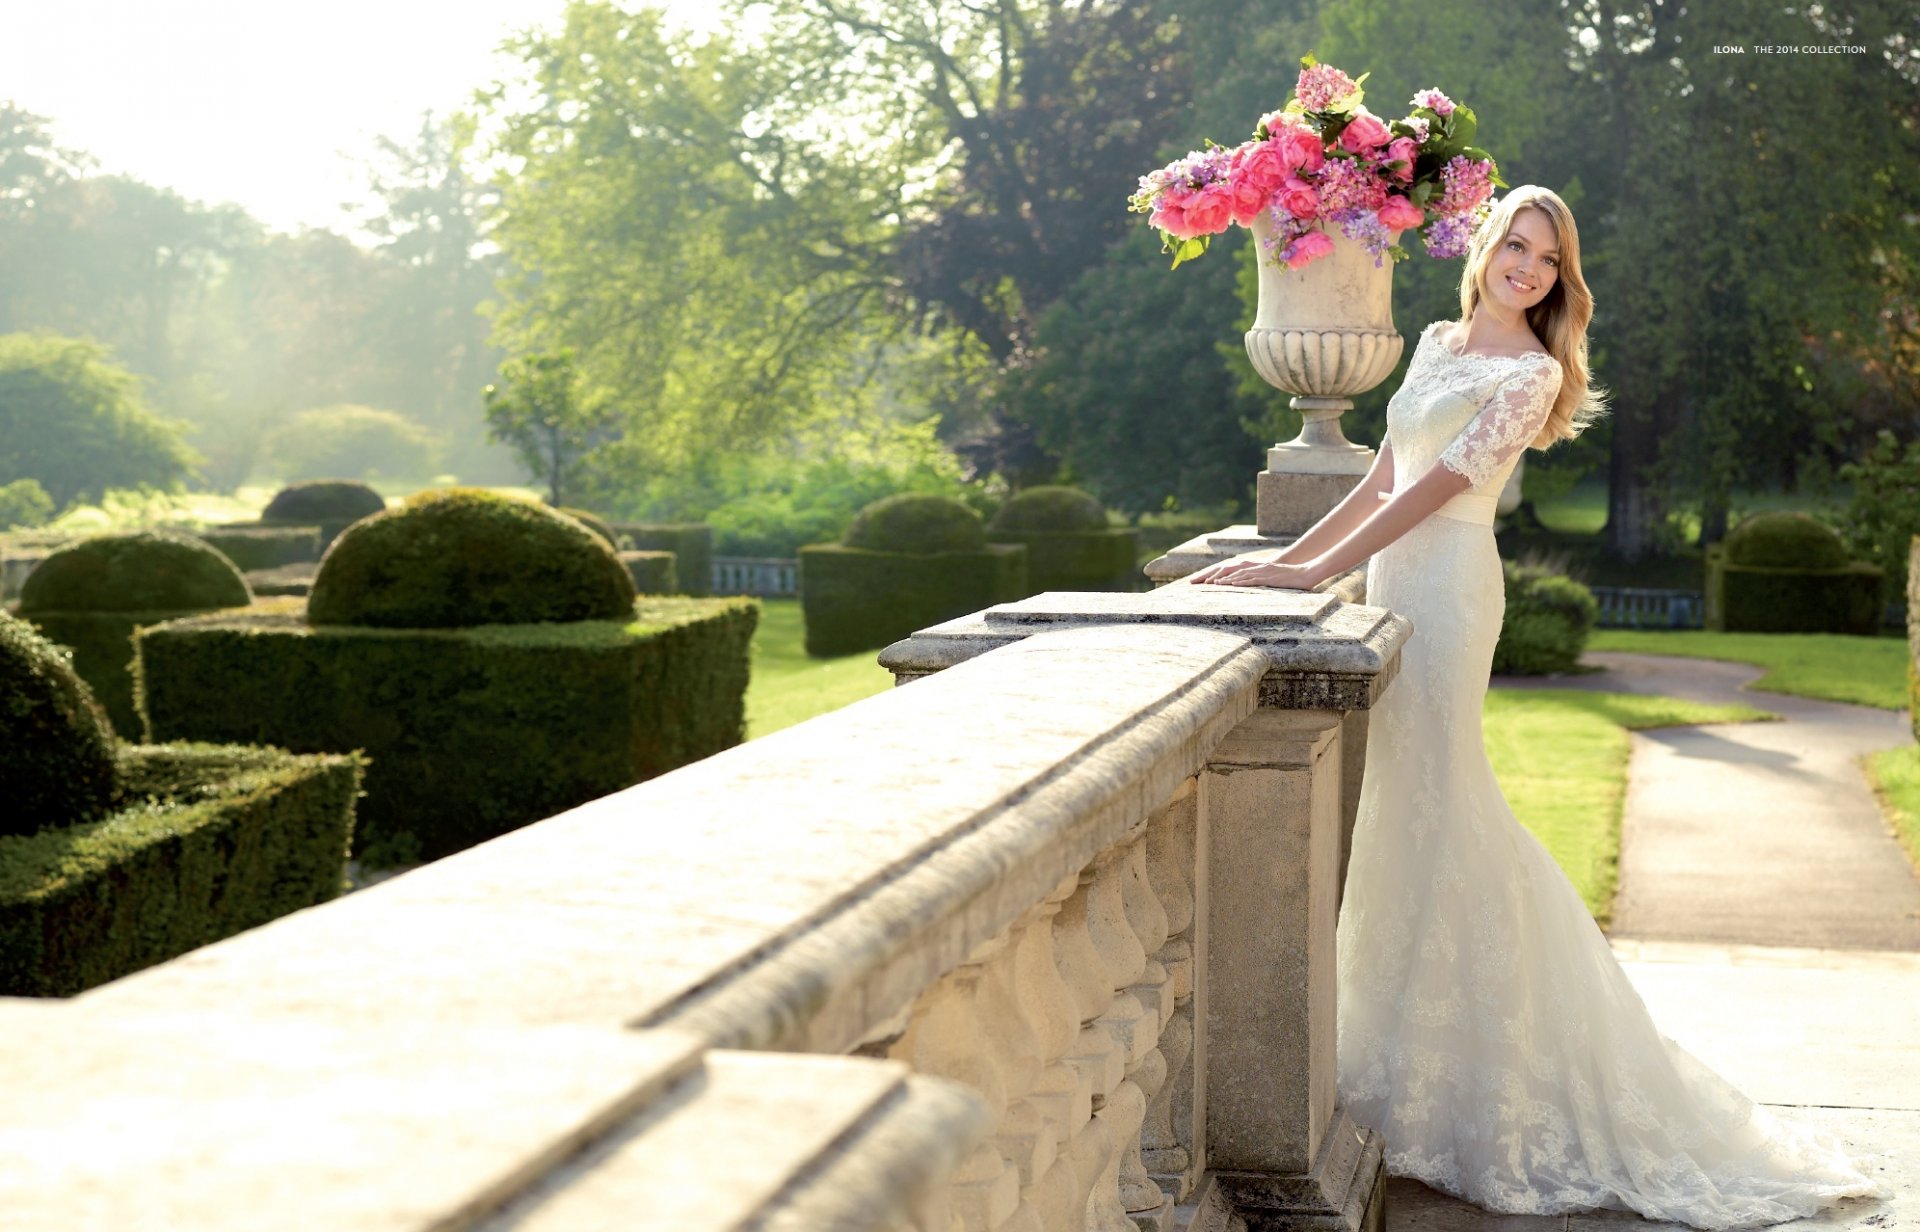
x: 1486, y: 1030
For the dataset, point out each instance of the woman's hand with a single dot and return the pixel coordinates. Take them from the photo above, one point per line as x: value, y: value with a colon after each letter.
x: 1252, y: 573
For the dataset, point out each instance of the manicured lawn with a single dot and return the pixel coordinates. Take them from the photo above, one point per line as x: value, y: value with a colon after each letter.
x: 1895, y: 775
x: 787, y: 687
x: 1835, y: 667
x: 1561, y: 758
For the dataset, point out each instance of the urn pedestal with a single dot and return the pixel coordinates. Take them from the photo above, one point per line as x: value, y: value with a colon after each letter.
x: 1322, y: 333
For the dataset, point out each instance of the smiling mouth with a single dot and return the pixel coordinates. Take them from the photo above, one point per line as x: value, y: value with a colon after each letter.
x: 1519, y: 286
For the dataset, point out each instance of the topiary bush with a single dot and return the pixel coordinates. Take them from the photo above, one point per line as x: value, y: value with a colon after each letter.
x: 1051, y: 508
x: 1913, y: 634
x: 690, y: 542
x: 653, y: 573
x: 1070, y: 545
x: 917, y: 523
x: 202, y: 842
x: 92, y: 594
x: 1548, y: 620
x: 1787, y: 573
x: 595, y: 523
x: 322, y: 502
x: 471, y: 732
x: 456, y: 558
x: 1782, y: 540
x: 56, y: 745
x: 264, y: 547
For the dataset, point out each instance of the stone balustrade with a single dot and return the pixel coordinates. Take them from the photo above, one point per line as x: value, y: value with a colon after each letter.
x: 1043, y: 940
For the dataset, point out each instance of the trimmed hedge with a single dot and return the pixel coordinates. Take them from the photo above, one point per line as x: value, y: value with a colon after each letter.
x: 322, y: 502
x: 595, y: 523
x: 1078, y: 560
x: 251, y: 546
x: 471, y: 732
x: 92, y: 595
x: 690, y: 542
x: 456, y: 558
x: 1548, y: 619
x: 1051, y: 508
x: 56, y: 749
x: 853, y: 599
x: 1751, y: 599
x: 208, y: 841
x: 918, y: 522
x: 1784, y: 540
x: 654, y: 573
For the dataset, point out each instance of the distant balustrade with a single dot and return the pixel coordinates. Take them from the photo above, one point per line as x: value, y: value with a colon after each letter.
x: 767, y: 577
x: 1042, y: 940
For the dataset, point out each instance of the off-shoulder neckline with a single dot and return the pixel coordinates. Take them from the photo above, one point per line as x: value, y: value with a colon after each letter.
x: 1432, y: 333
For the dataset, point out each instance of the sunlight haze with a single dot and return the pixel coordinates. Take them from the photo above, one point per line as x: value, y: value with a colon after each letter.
x: 271, y: 105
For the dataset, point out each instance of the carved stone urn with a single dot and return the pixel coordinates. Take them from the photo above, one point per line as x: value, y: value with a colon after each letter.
x: 1323, y: 333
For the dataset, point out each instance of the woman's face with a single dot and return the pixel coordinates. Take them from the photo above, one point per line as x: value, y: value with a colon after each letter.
x: 1525, y: 264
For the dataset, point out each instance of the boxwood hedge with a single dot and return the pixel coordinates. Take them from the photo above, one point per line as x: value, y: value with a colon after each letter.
x: 690, y: 542
x: 654, y: 573
x: 471, y: 732
x: 855, y: 599
x: 1758, y: 599
x: 1549, y: 617
x: 251, y: 546
x: 207, y: 841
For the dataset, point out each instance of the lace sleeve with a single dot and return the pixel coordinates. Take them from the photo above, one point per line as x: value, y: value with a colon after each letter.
x: 1505, y: 425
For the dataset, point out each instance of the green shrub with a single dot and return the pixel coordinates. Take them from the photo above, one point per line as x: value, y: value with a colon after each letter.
x: 295, y: 579
x: 264, y: 547
x: 653, y: 572
x: 690, y: 542
x: 24, y: 504
x: 56, y: 748
x: 92, y: 594
x: 470, y: 732
x: 1753, y: 600
x: 1781, y: 540
x: 204, y: 842
x: 854, y: 599
x: 1548, y: 619
x: 1884, y: 513
x: 350, y: 440
x: 1051, y: 508
x: 322, y: 502
x: 459, y: 557
x: 595, y: 523
x: 920, y: 523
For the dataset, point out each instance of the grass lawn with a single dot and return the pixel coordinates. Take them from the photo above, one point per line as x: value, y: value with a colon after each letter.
x: 787, y: 687
x: 1895, y: 775
x: 1835, y: 667
x: 1561, y: 758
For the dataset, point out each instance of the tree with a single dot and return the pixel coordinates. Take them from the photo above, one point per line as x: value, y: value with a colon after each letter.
x: 73, y: 419
x: 350, y: 442
x: 541, y: 410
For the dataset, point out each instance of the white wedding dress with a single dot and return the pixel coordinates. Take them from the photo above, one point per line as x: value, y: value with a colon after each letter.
x: 1485, y: 1028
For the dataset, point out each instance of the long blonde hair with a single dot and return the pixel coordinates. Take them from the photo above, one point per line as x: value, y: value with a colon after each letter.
x: 1559, y: 320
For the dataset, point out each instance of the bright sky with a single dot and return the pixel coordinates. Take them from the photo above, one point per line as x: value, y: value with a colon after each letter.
x: 270, y: 104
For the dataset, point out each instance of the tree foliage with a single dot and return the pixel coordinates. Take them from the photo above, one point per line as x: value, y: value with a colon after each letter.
x: 73, y: 420
x: 350, y: 442
x: 540, y: 409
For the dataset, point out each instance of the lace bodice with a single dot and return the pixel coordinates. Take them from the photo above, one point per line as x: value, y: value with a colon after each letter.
x: 1474, y: 413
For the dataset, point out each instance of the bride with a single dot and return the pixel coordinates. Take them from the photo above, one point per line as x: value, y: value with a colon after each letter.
x: 1486, y: 1030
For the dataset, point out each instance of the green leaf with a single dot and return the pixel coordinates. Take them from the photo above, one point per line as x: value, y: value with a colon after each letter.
x: 1477, y: 154
x: 1421, y: 192
x: 1308, y: 61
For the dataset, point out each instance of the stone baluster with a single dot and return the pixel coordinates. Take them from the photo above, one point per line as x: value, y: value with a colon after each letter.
x: 1171, y: 1131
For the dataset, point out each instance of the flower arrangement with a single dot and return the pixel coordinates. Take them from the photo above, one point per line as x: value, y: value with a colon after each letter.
x: 1324, y: 158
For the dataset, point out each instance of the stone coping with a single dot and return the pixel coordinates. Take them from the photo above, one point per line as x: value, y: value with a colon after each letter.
x: 1323, y: 652
x: 791, y: 893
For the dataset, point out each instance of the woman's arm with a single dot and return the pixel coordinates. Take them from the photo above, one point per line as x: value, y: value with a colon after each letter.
x: 1393, y: 519
x: 1339, y: 522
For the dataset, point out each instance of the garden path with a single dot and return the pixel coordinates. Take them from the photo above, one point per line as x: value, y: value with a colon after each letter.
x: 1754, y: 833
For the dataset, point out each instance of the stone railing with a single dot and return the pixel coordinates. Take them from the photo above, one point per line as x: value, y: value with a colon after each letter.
x: 769, y: 577
x: 1041, y: 941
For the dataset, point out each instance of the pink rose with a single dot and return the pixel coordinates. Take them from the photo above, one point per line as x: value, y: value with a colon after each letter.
x: 1312, y: 245
x: 1403, y: 149
x: 1400, y: 214
x: 1262, y: 164
x: 1249, y: 199
x: 1299, y: 198
x: 1273, y: 122
x: 1210, y: 211
x: 1301, y: 148
x: 1172, y: 219
x: 1364, y: 132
